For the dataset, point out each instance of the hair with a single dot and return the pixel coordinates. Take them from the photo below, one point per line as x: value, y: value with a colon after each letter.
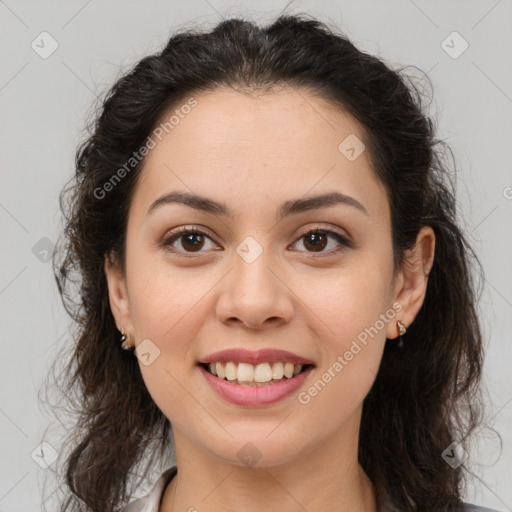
x: 424, y: 395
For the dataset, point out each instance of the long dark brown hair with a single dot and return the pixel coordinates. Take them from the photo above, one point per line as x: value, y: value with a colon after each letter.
x: 424, y: 396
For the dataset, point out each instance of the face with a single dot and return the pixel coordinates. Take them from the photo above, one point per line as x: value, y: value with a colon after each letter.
x: 256, y: 277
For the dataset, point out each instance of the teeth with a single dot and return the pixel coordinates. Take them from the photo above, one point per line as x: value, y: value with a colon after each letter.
x: 231, y: 370
x: 263, y: 372
x: 220, y: 370
x: 277, y: 371
x: 246, y: 372
x: 288, y: 370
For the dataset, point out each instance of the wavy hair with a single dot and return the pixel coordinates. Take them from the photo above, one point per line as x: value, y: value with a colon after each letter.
x: 423, y: 396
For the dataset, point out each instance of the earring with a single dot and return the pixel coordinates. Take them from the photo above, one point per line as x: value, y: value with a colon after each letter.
x: 401, y: 327
x: 125, y: 339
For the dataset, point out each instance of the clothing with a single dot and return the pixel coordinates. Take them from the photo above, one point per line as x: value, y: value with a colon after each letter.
x: 152, y: 500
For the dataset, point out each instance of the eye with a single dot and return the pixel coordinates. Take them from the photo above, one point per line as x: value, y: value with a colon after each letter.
x: 316, y: 240
x: 192, y: 240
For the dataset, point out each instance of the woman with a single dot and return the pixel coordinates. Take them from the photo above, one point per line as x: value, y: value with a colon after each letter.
x: 264, y: 214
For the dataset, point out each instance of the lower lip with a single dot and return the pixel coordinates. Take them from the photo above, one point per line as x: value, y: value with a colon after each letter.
x: 255, y: 395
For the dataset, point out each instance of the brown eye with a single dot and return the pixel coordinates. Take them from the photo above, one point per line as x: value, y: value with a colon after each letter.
x: 191, y: 241
x: 316, y: 240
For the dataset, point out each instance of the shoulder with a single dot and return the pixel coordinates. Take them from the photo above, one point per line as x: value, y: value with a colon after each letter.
x: 468, y: 507
x: 151, y: 501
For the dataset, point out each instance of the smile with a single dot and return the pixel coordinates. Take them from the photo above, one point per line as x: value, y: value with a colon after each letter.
x: 246, y: 374
x: 251, y: 393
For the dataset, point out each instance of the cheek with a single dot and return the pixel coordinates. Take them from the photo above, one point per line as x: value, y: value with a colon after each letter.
x: 349, y: 299
x: 351, y: 336
x: 161, y: 293
x: 351, y: 312
x: 170, y: 312
x: 169, y: 306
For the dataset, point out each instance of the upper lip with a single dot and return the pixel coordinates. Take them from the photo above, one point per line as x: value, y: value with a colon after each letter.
x: 265, y: 355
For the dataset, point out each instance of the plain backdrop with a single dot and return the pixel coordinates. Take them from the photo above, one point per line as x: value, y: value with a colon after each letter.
x: 44, y: 101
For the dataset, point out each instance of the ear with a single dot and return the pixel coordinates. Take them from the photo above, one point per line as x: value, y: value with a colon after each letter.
x: 118, y: 294
x: 411, y: 282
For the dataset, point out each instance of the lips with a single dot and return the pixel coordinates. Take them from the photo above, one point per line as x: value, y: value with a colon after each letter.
x: 241, y: 355
x: 255, y: 396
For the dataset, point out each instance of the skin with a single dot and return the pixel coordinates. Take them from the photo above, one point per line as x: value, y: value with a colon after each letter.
x: 253, y: 153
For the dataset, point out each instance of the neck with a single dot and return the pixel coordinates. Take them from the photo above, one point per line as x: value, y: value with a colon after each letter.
x: 327, y: 479
x: 230, y: 496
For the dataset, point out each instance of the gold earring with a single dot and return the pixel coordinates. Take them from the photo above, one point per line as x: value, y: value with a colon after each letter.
x: 125, y: 342
x: 401, y: 327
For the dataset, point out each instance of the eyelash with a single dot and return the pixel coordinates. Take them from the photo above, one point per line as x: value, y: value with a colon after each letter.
x: 184, y: 230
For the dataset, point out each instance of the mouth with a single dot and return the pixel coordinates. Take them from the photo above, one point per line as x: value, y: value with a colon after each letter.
x: 258, y: 375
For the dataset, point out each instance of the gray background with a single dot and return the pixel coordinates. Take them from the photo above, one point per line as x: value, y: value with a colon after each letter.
x: 44, y: 102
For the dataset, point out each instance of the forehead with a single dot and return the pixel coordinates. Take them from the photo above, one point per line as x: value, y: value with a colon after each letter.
x: 243, y: 149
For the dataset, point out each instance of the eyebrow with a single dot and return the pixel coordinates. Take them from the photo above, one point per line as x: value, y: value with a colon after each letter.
x: 290, y: 207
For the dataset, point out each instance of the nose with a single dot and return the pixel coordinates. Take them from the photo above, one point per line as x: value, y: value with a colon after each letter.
x: 255, y: 294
